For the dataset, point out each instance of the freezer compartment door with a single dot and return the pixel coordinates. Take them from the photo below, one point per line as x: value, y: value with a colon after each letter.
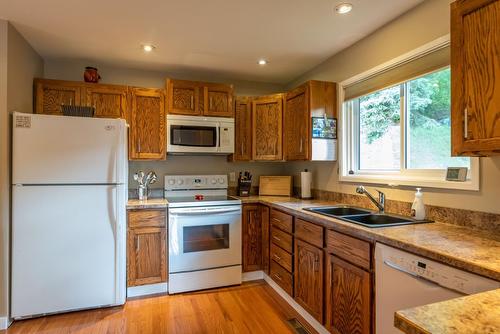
x: 66, y: 150
x: 68, y: 248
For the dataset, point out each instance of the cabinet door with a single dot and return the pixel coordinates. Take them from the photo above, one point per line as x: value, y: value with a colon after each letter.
x: 147, y: 124
x: 218, y: 100
x: 109, y: 101
x: 252, y: 238
x: 184, y: 97
x: 243, y: 129
x: 296, y: 124
x: 309, y: 278
x: 475, y: 68
x: 264, y: 216
x: 267, y: 119
x: 147, y: 256
x: 348, y: 298
x: 50, y: 95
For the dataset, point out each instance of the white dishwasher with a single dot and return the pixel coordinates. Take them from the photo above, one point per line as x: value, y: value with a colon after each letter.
x: 404, y: 280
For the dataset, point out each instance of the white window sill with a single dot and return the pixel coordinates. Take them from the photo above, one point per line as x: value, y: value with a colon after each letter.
x: 415, y: 181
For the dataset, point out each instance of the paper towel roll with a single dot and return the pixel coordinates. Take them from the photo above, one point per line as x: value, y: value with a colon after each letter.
x: 305, y: 184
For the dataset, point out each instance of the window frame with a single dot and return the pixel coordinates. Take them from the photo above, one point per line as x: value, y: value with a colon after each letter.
x: 349, y: 137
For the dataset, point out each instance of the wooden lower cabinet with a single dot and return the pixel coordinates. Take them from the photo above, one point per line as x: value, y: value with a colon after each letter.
x: 264, y: 216
x: 309, y: 278
x: 255, y: 237
x: 252, y: 237
x: 146, y: 247
x: 348, y: 298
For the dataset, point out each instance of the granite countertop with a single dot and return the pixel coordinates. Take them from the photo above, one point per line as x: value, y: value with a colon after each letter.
x: 474, y: 314
x: 465, y: 248
x: 152, y: 203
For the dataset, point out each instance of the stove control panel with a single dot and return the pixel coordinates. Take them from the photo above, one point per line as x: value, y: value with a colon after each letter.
x: 191, y: 182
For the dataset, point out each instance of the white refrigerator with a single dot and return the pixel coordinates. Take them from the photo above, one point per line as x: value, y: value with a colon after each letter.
x: 68, y: 214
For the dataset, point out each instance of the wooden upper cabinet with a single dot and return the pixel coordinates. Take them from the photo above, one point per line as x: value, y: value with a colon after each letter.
x: 296, y: 124
x: 243, y: 129
x: 218, y: 100
x: 252, y: 237
x: 109, y: 101
x: 184, y: 97
x: 475, y: 76
x: 348, y: 298
x: 147, y: 124
x: 267, y: 125
x: 194, y: 98
x: 309, y: 278
x: 50, y: 95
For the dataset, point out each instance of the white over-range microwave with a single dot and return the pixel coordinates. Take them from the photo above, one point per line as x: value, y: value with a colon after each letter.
x: 199, y: 135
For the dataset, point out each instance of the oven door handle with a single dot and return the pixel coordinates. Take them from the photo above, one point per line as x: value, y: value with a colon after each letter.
x: 203, y: 211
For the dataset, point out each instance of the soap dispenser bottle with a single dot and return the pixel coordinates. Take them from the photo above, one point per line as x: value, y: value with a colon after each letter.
x: 418, y: 207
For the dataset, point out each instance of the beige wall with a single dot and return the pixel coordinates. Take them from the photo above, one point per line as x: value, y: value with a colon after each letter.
x: 64, y: 69
x: 19, y: 64
x: 204, y: 165
x: 425, y: 23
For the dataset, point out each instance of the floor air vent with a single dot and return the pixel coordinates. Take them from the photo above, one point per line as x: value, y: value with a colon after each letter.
x: 297, y: 326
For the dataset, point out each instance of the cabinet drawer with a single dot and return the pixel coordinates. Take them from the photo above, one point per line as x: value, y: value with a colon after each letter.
x: 282, y: 277
x: 282, y: 220
x: 281, y: 257
x: 348, y: 248
x: 282, y: 239
x: 309, y: 232
x: 146, y: 218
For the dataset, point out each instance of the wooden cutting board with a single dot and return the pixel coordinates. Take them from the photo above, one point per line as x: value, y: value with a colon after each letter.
x: 275, y: 185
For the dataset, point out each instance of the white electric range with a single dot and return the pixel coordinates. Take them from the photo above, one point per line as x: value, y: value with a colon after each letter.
x: 204, y: 233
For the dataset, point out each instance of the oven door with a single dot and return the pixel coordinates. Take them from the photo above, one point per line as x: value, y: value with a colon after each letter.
x: 204, y: 237
x: 192, y: 136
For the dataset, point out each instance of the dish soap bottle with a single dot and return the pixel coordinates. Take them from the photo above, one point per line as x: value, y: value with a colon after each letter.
x: 418, y: 207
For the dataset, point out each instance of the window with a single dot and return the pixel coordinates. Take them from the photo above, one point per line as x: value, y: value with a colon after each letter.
x: 402, y: 135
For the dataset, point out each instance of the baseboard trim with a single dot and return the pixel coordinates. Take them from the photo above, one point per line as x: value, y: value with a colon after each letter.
x: 303, y: 313
x: 5, y: 322
x: 252, y: 276
x: 145, y: 290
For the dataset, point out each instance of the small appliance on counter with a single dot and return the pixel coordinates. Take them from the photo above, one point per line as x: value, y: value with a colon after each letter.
x: 143, y: 190
x: 244, y: 184
x: 305, y: 184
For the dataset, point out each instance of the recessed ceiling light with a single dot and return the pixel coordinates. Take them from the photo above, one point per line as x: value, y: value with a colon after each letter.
x: 343, y: 8
x: 262, y: 62
x: 148, y: 47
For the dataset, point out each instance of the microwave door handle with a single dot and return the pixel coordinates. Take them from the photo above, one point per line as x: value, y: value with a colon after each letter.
x: 218, y: 137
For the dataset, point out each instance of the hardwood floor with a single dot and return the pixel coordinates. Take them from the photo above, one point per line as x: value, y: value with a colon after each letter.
x: 253, y: 307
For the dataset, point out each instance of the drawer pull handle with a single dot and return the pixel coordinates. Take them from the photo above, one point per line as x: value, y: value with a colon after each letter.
x: 278, y: 277
x: 276, y: 257
x: 276, y: 238
x: 276, y: 220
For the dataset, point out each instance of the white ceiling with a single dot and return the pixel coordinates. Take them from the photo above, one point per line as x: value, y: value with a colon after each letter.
x: 224, y: 36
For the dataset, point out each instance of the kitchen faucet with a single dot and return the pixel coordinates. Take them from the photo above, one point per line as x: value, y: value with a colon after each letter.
x: 381, y: 198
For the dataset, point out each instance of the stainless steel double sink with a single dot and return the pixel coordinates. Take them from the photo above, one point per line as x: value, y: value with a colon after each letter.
x: 363, y: 216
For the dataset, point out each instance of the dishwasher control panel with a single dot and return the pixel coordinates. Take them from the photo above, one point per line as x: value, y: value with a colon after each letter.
x: 435, y: 272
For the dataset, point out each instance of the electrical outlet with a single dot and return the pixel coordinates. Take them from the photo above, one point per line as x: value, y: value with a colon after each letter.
x: 232, y: 177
